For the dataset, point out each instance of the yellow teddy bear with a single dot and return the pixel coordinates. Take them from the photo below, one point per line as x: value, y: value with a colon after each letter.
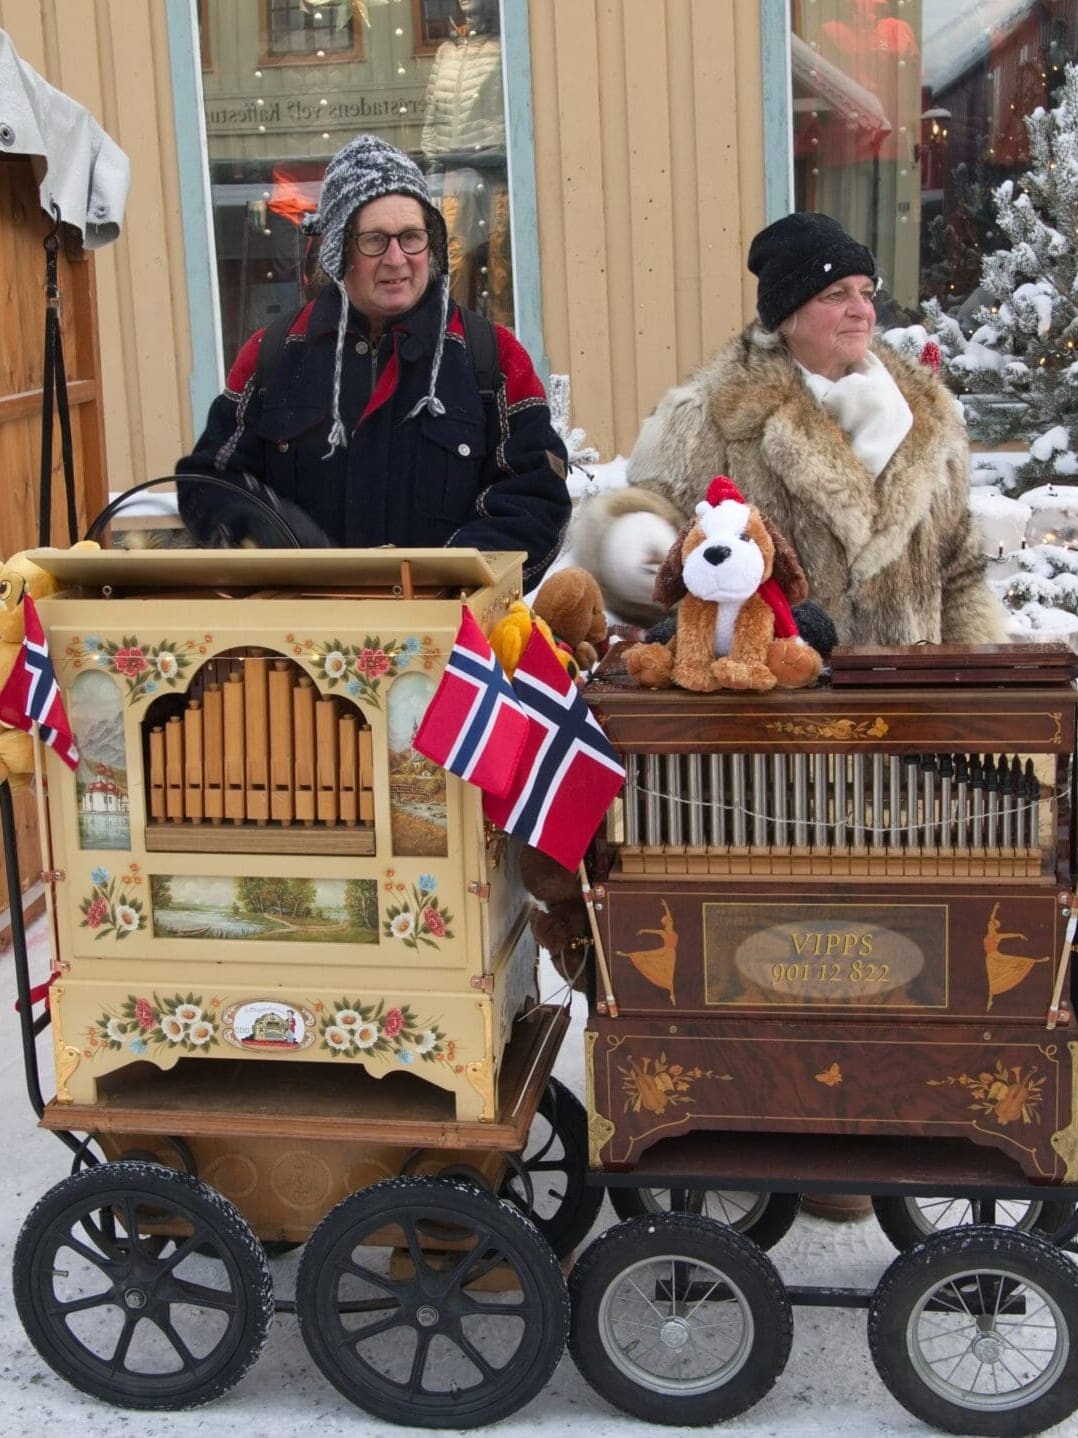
x: 20, y: 576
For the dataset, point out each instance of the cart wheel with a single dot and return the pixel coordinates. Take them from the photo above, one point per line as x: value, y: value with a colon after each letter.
x: 129, y: 1318
x: 907, y: 1221
x: 763, y: 1217
x: 430, y: 1303
x: 678, y: 1319
x: 976, y: 1331
x: 554, y: 1164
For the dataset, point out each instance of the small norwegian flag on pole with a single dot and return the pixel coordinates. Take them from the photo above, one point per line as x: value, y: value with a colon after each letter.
x: 31, y: 694
x: 568, y: 774
x: 473, y: 725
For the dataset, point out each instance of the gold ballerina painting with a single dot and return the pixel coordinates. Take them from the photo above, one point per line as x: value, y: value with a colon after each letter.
x: 1004, y: 971
x: 657, y: 964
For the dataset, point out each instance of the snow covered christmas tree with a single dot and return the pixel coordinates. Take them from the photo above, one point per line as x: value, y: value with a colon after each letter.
x: 1018, y: 373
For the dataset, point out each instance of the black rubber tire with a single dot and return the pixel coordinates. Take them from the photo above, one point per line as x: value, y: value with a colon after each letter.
x: 945, y: 1330
x: 763, y: 1217
x: 562, y: 1204
x: 93, y: 1301
x: 909, y: 1221
x: 423, y: 1299
x: 625, y: 1279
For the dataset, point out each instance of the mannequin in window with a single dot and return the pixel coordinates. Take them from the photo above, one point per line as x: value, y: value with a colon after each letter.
x: 464, y: 142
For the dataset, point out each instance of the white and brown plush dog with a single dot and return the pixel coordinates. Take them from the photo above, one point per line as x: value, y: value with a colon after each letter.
x: 735, y: 578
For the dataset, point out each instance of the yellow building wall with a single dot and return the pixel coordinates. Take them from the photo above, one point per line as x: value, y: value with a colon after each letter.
x: 112, y: 56
x: 650, y: 178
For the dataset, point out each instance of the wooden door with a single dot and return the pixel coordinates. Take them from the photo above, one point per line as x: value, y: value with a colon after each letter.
x: 23, y: 226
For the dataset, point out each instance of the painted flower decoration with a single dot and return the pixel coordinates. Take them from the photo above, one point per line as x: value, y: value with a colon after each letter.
x: 416, y: 917
x: 111, y: 907
x: 145, y: 1024
x: 143, y: 666
x: 362, y: 667
x: 381, y: 1032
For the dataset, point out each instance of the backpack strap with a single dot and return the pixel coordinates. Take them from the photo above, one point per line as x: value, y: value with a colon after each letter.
x: 480, y: 339
x: 272, y: 347
x: 482, y: 342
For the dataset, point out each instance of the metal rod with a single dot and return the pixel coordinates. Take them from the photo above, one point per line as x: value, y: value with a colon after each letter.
x: 894, y: 785
x: 696, y: 800
x: 673, y: 801
x: 1007, y: 801
x: 652, y: 819
x: 928, y: 800
x: 877, y: 800
x: 632, y: 799
x: 760, y: 800
x: 779, y: 804
x: 800, y: 778
x: 737, y: 798
x: 976, y: 784
x: 912, y: 831
x: 841, y: 838
x: 819, y: 800
x: 961, y: 775
x: 859, y: 801
x: 991, y: 783
x: 946, y: 772
x: 716, y: 783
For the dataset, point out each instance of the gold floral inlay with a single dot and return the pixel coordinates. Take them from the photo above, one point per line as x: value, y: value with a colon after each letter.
x: 844, y: 729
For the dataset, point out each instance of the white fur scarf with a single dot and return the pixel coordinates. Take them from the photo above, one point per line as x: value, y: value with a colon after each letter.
x: 869, y: 406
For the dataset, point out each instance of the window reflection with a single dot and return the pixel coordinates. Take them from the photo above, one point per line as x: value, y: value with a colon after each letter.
x: 907, y: 114
x: 291, y: 81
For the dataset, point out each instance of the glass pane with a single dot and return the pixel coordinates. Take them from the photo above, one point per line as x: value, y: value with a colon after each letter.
x: 907, y: 114
x: 288, y: 82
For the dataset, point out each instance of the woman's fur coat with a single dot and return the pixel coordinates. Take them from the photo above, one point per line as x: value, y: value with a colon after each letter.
x: 894, y: 559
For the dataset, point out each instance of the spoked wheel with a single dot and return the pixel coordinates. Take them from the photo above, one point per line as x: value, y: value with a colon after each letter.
x: 551, y: 1184
x: 976, y: 1331
x: 763, y: 1217
x: 908, y: 1220
x: 142, y: 1286
x: 431, y: 1303
x: 678, y: 1319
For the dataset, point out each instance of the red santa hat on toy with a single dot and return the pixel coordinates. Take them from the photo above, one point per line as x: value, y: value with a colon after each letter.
x: 721, y: 489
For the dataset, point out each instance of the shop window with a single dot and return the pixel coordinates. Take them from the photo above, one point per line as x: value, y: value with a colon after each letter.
x: 906, y: 116
x: 293, y: 81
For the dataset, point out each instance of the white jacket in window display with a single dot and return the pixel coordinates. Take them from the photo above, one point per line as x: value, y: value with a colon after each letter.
x: 464, y: 98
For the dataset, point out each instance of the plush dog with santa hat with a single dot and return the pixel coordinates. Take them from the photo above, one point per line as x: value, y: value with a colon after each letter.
x: 734, y: 579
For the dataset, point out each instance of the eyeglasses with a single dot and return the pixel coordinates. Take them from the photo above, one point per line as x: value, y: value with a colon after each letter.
x: 375, y: 242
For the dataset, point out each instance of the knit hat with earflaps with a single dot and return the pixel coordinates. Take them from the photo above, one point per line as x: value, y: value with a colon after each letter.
x: 366, y: 169
x: 797, y: 257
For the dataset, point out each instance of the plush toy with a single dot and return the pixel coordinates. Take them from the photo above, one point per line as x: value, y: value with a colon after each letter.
x: 20, y: 576
x: 511, y: 633
x: 559, y: 918
x: 571, y: 603
x: 735, y: 578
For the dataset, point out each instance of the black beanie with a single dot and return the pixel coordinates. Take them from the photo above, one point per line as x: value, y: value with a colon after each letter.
x: 797, y: 257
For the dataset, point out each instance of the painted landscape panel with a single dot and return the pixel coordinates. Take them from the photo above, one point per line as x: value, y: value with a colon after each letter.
x: 318, y: 911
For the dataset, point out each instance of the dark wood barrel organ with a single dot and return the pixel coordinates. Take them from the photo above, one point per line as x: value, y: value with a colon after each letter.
x: 843, y: 911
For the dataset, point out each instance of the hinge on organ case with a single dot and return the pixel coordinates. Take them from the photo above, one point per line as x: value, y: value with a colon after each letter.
x: 482, y: 981
x: 52, y: 876
x: 481, y: 891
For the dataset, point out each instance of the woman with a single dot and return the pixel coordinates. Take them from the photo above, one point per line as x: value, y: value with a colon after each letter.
x: 858, y: 456
x: 370, y: 427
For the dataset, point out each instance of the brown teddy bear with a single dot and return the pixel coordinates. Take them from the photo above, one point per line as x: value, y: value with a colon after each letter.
x: 735, y: 578
x: 571, y: 602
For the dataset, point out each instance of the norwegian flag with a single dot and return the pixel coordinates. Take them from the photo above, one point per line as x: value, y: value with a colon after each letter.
x: 473, y: 725
x: 569, y: 772
x: 31, y: 694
